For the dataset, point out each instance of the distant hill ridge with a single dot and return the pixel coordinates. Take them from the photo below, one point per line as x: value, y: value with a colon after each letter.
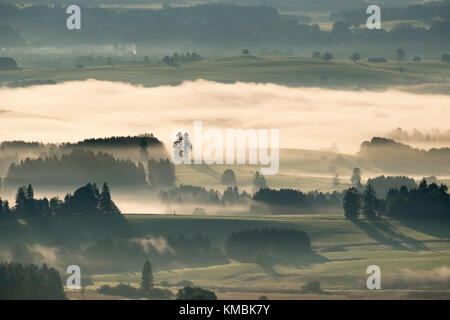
x: 115, y: 141
x: 394, y: 156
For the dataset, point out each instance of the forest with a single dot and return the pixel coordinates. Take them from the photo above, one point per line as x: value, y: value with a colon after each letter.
x: 209, y: 24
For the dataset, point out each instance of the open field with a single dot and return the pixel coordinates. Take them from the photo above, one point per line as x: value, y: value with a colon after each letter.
x: 413, y: 255
x: 289, y: 71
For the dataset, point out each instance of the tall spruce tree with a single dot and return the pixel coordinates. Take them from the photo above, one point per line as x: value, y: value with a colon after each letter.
x: 147, y: 279
x: 352, y: 203
x: 106, y: 205
x: 369, y: 202
x: 21, y: 201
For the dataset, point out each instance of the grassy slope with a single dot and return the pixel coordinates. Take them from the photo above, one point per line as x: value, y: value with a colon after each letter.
x: 347, y: 249
x: 291, y: 71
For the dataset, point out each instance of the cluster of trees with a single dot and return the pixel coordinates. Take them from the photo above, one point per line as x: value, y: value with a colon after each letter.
x: 243, y: 245
x: 228, y: 178
x: 190, y: 194
x: 400, y: 55
x: 231, y: 196
x: 294, y: 201
x: 76, y: 167
x: 29, y: 282
x: 326, y: 56
x: 424, y: 201
x: 4, y: 208
x: 354, y: 201
x: 195, y: 250
x: 7, y: 63
x: 147, y: 139
x: 383, y: 184
x: 259, y: 181
x: 87, y: 200
x: 161, y: 173
x: 179, y: 58
x: 188, y: 293
x: 194, y: 194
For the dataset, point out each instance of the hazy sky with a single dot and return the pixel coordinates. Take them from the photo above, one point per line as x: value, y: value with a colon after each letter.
x: 307, y: 118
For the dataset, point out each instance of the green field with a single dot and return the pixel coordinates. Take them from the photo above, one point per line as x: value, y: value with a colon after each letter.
x: 414, y: 256
x: 290, y: 71
x: 347, y: 248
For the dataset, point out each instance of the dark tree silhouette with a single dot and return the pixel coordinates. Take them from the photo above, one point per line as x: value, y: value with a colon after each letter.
x: 228, y: 178
x: 21, y: 201
x: 7, y: 63
x: 105, y: 203
x: 355, y: 57
x: 428, y: 201
x: 259, y: 181
x: 352, y: 203
x: 369, y: 202
x: 188, y: 293
x: 29, y: 282
x: 161, y: 173
x: 146, y: 279
x: 327, y: 57
x: 400, y: 54
x: 86, y: 200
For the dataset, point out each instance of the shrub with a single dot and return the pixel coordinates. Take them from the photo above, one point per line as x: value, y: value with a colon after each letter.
x: 123, y: 290
x: 188, y: 293
x: 312, y: 286
x: 242, y: 245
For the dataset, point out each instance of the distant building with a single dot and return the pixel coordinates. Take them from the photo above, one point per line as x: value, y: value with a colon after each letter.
x: 377, y: 60
x: 7, y: 64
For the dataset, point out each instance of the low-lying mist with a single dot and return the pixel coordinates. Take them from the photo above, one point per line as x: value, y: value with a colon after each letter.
x: 308, y: 118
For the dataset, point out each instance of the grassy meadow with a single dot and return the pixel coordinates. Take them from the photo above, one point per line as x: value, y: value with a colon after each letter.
x: 413, y: 258
x: 289, y: 71
x: 413, y: 255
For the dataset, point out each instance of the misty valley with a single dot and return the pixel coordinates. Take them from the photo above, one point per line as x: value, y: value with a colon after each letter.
x: 260, y: 150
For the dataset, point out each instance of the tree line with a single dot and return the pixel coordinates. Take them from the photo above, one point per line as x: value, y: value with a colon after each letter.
x: 87, y: 200
x: 213, y: 24
x: 294, y: 201
x: 76, y: 167
x: 243, y: 245
x: 189, y: 194
x: 390, y: 155
x: 427, y: 201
